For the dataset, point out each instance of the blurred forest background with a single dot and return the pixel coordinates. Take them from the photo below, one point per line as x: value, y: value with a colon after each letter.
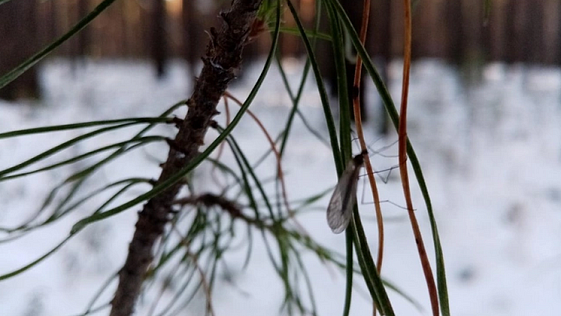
x: 460, y: 31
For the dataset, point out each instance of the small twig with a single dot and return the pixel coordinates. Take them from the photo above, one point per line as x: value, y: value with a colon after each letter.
x: 209, y: 200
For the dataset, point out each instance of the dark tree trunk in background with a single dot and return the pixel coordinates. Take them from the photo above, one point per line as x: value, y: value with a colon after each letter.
x: 290, y: 45
x: 325, y: 57
x: 493, y: 32
x: 380, y: 39
x: 192, y: 35
x: 250, y: 54
x: 49, y: 28
x: 158, y: 41
x: 455, y: 37
x: 354, y: 11
x: 428, y: 29
x: 533, y: 31
x: 80, y: 43
x: 473, y: 23
x: 380, y: 44
x: 18, y: 33
x: 550, y: 27
x: 514, y: 50
x: 558, y: 37
x: 83, y: 41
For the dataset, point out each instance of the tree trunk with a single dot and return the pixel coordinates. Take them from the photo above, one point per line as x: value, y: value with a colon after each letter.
x: 354, y: 11
x: 83, y: 42
x: 158, y: 41
x: 19, y: 42
x: 533, y: 31
x: 381, y: 46
x: 455, y: 37
x: 513, y: 48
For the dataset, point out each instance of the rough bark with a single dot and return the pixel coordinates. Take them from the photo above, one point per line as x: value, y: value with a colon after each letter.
x: 223, y: 58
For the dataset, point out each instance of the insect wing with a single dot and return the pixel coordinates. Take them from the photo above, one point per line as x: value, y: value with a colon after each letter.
x: 340, y: 209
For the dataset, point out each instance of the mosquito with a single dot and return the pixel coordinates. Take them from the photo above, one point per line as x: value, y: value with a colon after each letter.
x: 340, y: 209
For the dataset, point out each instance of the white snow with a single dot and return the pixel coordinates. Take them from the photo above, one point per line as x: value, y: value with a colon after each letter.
x: 489, y: 146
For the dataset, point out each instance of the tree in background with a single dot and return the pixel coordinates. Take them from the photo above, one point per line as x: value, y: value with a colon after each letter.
x: 158, y: 38
x: 18, y: 27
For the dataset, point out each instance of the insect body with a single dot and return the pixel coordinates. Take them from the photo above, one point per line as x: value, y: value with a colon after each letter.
x: 340, y: 209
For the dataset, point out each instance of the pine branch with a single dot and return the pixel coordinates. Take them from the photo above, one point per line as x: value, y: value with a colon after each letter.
x: 222, y: 60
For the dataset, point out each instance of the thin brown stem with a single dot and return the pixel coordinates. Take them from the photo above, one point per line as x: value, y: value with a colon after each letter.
x: 277, y: 156
x: 402, y: 132
x: 362, y: 141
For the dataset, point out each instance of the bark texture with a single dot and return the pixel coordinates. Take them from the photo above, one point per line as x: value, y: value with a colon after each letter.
x: 222, y: 61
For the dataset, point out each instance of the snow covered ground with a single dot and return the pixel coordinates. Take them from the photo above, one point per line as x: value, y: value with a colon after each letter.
x: 489, y: 145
